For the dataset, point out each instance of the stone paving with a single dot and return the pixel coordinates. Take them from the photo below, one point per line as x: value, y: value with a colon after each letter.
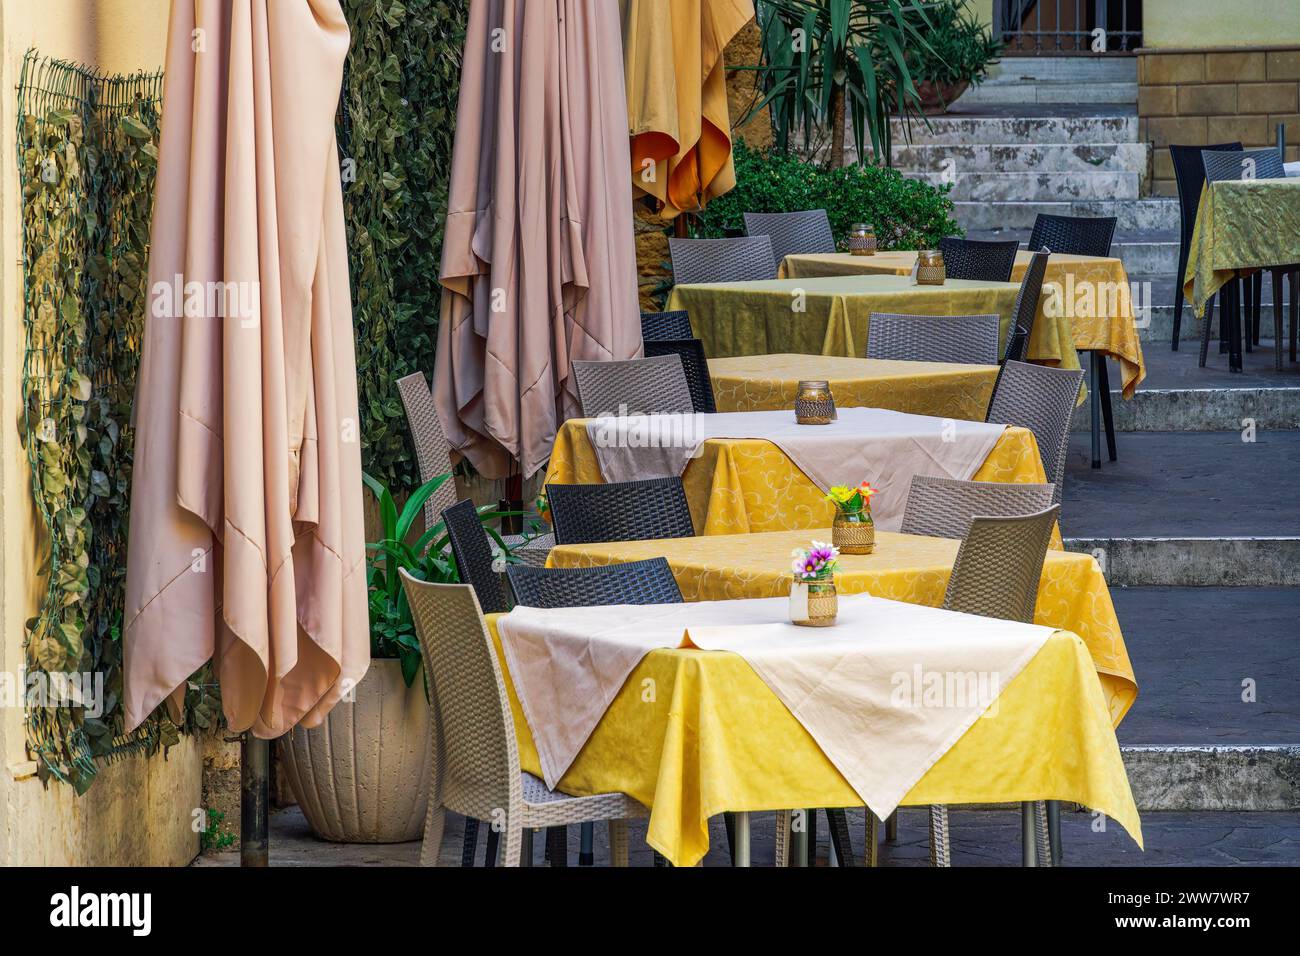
x: 979, y: 838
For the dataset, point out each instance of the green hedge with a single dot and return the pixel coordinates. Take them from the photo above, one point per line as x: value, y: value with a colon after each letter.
x: 907, y: 213
x: 397, y: 123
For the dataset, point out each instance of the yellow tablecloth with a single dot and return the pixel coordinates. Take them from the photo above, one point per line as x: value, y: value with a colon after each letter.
x: 753, y: 383
x: 1092, y: 292
x: 742, y: 485
x: 695, y: 733
x: 1072, y: 593
x: 830, y: 315
x: 1241, y: 226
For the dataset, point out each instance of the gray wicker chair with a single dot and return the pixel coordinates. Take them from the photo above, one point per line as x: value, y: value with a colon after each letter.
x: 979, y: 260
x: 944, y: 507
x: 807, y: 231
x: 620, y: 511
x: 432, y: 452
x: 476, y: 756
x: 742, y: 259
x: 1026, y: 309
x: 633, y: 582
x: 634, y: 387
x: 661, y: 326
x: 694, y: 364
x: 1041, y: 399
x: 970, y: 339
x: 473, y: 553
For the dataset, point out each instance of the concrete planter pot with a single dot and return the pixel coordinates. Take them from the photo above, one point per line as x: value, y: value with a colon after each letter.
x: 936, y: 98
x: 363, y: 775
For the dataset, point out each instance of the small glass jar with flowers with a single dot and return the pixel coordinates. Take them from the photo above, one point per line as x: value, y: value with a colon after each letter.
x: 853, y: 531
x: 813, y: 601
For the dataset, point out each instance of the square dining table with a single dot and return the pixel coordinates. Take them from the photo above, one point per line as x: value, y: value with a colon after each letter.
x: 750, y: 383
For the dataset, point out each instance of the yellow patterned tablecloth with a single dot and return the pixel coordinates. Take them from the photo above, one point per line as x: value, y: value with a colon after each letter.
x: 739, y: 485
x: 1241, y: 226
x: 1093, y: 294
x: 1072, y: 593
x: 695, y: 733
x: 830, y: 315
x: 754, y: 383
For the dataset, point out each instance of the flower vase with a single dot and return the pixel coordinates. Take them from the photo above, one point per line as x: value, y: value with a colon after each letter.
x: 813, y: 603
x: 853, y: 532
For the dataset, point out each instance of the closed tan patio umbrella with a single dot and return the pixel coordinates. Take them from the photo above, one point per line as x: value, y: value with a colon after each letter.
x: 538, y: 263
x: 246, y: 537
x: 677, y: 98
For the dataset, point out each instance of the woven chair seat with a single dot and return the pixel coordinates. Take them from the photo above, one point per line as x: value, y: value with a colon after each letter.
x: 620, y: 511
x: 631, y: 582
x: 1073, y: 235
x: 634, y: 387
x: 965, y: 339
x: 945, y: 507
x: 743, y: 259
x: 666, y: 326
x: 979, y: 260
x: 531, y: 553
x: 807, y: 231
x: 550, y: 808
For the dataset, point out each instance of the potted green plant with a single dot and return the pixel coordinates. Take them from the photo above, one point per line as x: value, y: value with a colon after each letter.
x: 957, y: 54
x: 363, y: 775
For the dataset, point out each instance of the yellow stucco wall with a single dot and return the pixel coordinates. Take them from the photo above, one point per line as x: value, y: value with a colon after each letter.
x: 1213, y: 23
x: 139, y: 811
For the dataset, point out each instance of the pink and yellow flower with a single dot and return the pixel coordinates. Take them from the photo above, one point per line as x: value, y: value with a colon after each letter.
x: 816, y: 563
x: 851, y: 500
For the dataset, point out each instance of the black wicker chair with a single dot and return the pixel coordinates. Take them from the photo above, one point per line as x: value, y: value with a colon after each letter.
x: 742, y: 259
x: 635, y: 582
x: 1189, y: 175
x: 694, y: 364
x: 1026, y: 309
x: 982, y: 261
x: 1073, y: 235
x: 472, y: 550
x: 808, y: 231
x: 620, y: 511
x: 658, y: 326
x: 1221, y: 165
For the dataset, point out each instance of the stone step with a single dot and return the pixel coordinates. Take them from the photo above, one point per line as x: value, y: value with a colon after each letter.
x: 1070, y: 70
x: 1044, y: 92
x: 1018, y: 215
x: 1199, y: 410
x: 959, y: 129
x: 1186, y: 562
x: 1070, y: 186
x: 1021, y: 157
x: 1246, y: 778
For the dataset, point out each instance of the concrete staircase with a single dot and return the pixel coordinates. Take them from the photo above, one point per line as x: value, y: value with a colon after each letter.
x: 1197, y: 525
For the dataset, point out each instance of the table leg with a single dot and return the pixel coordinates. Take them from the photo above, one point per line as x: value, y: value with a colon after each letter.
x: 742, y: 839
x: 799, y: 838
x: 1094, y: 359
x: 1028, y: 836
x: 891, y: 828
x: 587, y: 845
x: 1054, y: 829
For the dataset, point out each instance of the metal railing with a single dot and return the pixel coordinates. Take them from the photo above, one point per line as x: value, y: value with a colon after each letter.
x: 1051, y: 27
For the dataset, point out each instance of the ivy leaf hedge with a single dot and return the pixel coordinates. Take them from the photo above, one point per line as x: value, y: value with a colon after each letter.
x: 397, y: 123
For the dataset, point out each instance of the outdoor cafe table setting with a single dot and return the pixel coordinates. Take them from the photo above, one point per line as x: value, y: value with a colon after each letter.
x: 751, y: 383
x: 1094, y: 296
x: 761, y: 471
x: 830, y: 315
x: 696, y: 709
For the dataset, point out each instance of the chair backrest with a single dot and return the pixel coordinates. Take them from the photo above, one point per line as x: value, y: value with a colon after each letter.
x: 808, y: 231
x: 944, y: 507
x: 432, y: 452
x: 473, y: 553
x: 1189, y: 176
x: 476, y: 755
x: 640, y: 386
x: 620, y: 511
x: 742, y: 259
x: 977, y: 259
x: 636, y: 582
x: 657, y: 326
x: 694, y: 364
x: 999, y: 565
x: 1041, y: 399
x: 1073, y: 235
x: 1026, y: 309
x: 969, y: 339
x: 1221, y: 165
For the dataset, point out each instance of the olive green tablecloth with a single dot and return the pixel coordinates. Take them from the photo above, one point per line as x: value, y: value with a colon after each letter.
x: 1241, y: 226
x: 830, y: 315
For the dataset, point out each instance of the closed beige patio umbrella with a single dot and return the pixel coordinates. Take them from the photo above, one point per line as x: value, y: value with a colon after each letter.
x: 246, y: 536
x: 538, y: 263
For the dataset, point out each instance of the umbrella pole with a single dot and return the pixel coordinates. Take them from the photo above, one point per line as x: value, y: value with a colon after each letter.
x: 254, y: 787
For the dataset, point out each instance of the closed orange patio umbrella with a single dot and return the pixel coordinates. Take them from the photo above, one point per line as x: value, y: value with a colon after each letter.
x: 246, y: 534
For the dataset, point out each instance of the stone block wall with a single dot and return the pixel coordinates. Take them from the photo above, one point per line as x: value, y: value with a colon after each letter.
x: 1188, y: 96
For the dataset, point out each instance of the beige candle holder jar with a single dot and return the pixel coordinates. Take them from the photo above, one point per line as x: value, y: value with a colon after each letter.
x: 929, y: 267
x: 814, y: 603
x: 862, y: 240
x: 813, y: 403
